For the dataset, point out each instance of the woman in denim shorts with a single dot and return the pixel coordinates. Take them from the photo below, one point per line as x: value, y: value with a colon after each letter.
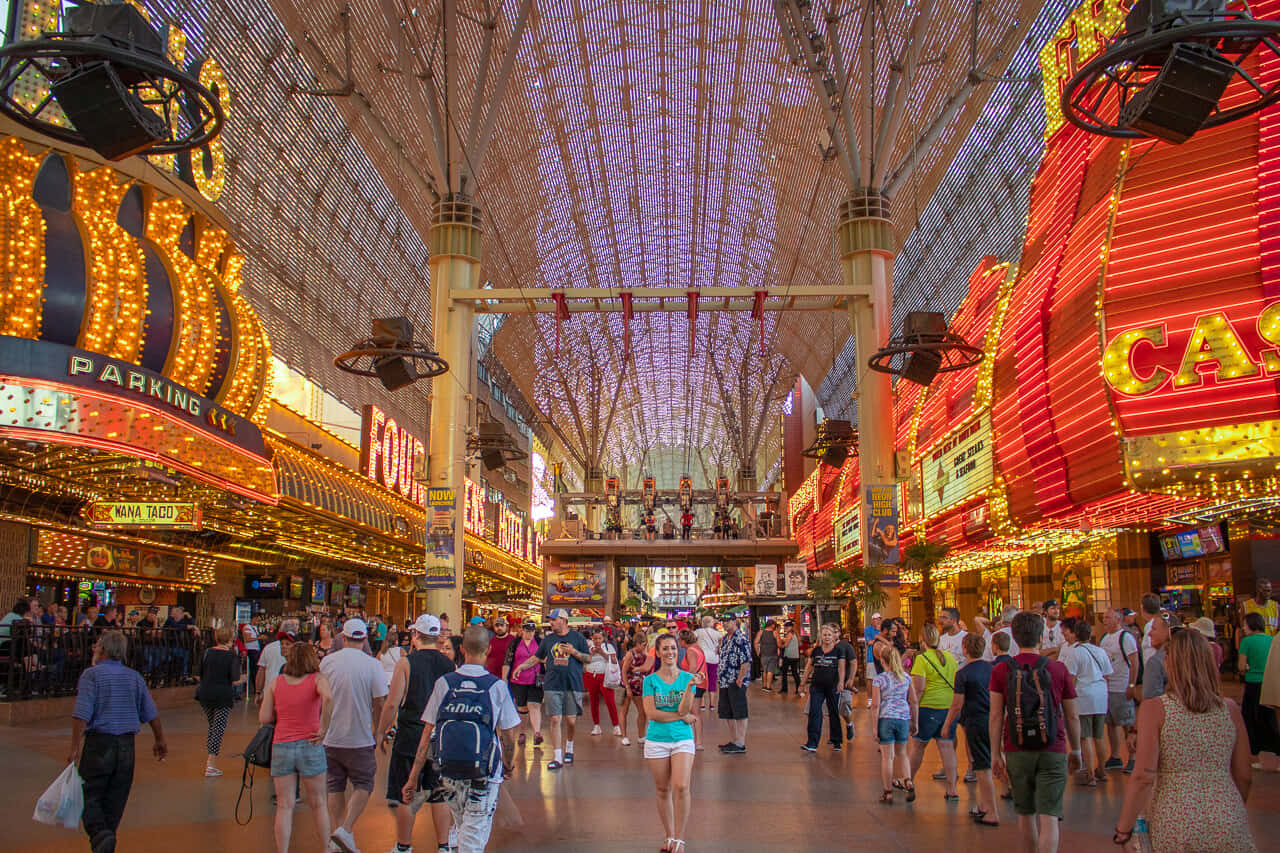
x: 895, y: 708
x: 299, y: 703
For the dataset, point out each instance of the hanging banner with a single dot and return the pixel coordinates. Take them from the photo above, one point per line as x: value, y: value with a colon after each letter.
x: 882, y: 524
x: 766, y: 583
x: 796, y: 578
x: 441, y: 539
x: 577, y: 583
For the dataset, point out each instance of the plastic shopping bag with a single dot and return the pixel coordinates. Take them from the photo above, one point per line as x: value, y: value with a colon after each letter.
x: 62, y: 802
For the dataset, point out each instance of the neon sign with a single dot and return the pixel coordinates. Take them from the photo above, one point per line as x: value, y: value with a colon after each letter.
x: 1082, y: 36
x: 389, y: 454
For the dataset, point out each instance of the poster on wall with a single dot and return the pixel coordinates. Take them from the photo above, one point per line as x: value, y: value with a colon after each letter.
x: 1072, y: 603
x: 766, y: 584
x: 882, y: 524
x: 959, y: 466
x: 577, y: 583
x: 441, y: 538
x: 796, y: 578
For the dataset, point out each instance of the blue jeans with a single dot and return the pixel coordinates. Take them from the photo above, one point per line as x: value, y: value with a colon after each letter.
x: 889, y: 730
x: 830, y: 696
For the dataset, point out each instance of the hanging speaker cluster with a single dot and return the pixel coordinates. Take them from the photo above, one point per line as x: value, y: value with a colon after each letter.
x: 491, y: 443
x: 836, y: 441
x: 392, y: 356
x: 107, y: 85
x: 924, y: 349
x: 1164, y: 74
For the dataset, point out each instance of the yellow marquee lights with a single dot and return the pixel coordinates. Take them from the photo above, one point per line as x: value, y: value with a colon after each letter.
x: 251, y: 373
x: 117, y: 285
x: 195, y: 309
x: 22, y: 232
x: 1085, y: 32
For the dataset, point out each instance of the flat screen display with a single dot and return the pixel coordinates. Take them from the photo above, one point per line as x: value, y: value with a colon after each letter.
x: 1189, y: 544
x: 318, y: 591
x: 1211, y: 541
x: 1169, y: 547
x: 295, y: 587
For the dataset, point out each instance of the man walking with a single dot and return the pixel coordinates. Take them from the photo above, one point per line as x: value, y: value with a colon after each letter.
x: 767, y: 648
x: 825, y: 673
x: 471, y: 721
x: 1054, y: 639
x: 563, y: 652
x: 734, y: 676
x: 112, y: 703
x: 1262, y: 604
x: 273, y: 656
x: 414, y: 678
x: 869, y: 634
x: 951, y: 637
x: 1122, y: 650
x: 709, y: 642
x: 498, y: 644
x: 790, y: 645
x: 359, y: 687
x: 1029, y: 744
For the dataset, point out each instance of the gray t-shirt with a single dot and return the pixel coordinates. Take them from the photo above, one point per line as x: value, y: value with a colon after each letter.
x: 271, y: 661
x: 1154, y: 677
x: 356, y: 680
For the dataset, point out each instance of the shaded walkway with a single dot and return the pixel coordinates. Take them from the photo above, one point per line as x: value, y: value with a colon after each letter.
x: 773, y: 798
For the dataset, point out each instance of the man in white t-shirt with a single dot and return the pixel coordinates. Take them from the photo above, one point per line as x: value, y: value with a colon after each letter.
x: 358, y: 685
x: 951, y: 638
x: 1149, y: 610
x: 1006, y: 621
x: 472, y: 802
x: 709, y: 642
x: 1122, y: 652
x: 1053, y: 639
x: 1089, y: 666
x: 273, y: 657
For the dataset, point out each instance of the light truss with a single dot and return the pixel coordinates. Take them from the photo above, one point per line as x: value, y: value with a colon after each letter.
x: 595, y: 300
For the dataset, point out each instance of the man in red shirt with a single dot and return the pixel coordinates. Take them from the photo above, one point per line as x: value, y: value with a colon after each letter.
x: 1038, y: 777
x: 686, y: 524
x: 498, y: 643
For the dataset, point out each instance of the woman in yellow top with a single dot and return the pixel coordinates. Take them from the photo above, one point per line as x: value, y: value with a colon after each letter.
x: 934, y: 675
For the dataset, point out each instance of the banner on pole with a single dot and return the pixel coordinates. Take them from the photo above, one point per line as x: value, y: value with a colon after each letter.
x: 882, y: 524
x: 442, y: 503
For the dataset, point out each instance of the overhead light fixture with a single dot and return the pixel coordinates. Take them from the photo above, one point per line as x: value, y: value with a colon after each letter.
x: 392, y: 356
x: 1164, y: 74
x: 835, y: 442
x: 111, y: 87
x: 924, y: 349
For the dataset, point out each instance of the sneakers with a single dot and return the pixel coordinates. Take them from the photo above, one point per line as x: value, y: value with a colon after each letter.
x: 568, y: 758
x: 596, y: 731
x: 848, y: 731
x: 554, y: 765
x: 837, y: 747
x: 1113, y: 764
x: 970, y: 776
x: 1128, y: 768
x: 617, y: 731
x: 806, y: 747
x: 723, y: 746
x: 211, y: 772
x: 537, y: 738
x: 395, y: 848
x: 733, y: 749
x: 345, y: 841
x: 626, y: 741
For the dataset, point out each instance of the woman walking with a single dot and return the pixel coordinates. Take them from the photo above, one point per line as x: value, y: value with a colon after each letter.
x: 895, y: 709
x: 389, y: 652
x: 299, y: 703
x: 219, y: 673
x: 526, y: 687
x: 934, y: 675
x: 695, y: 663
x: 1193, y: 750
x: 603, y: 653
x: 669, y: 747
x: 636, y: 664
x: 1089, y: 666
x: 972, y: 707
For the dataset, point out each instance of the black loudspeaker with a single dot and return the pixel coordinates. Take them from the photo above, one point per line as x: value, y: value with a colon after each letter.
x: 835, y: 456
x: 392, y: 331
x: 394, y: 372
x: 112, y: 119
x: 921, y: 366
x: 1182, y: 96
x: 493, y: 437
x: 492, y: 459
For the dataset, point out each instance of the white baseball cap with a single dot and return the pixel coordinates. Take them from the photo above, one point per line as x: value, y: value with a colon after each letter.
x: 875, y: 615
x: 355, y: 629
x: 560, y: 613
x: 427, y: 625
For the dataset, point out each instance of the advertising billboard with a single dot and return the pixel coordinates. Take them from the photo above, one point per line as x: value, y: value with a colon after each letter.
x: 574, y: 584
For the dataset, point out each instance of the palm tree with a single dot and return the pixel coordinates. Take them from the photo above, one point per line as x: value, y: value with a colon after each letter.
x: 925, y: 556
x: 859, y: 586
x: 632, y: 604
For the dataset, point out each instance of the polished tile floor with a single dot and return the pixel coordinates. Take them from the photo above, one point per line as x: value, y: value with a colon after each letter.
x: 775, y: 797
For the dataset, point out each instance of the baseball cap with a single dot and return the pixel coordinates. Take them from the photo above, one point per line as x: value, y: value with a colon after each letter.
x: 1053, y: 602
x: 427, y: 625
x: 530, y: 625
x: 559, y: 613
x: 251, y: 631
x: 875, y: 615
x: 355, y: 629
x: 153, y: 609
x: 477, y: 620
x: 285, y: 635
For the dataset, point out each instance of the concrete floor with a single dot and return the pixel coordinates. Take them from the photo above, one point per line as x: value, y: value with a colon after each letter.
x: 775, y: 797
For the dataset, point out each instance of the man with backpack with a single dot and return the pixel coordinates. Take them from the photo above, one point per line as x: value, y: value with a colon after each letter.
x: 1123, y: 650
x: 1033, y: 716
x: 469, y: 732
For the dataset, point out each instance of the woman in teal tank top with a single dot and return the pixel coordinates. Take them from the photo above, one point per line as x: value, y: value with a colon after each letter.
x: 669, y: 744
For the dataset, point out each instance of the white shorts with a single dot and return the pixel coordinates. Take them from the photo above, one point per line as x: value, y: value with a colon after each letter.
x: 659, y: 749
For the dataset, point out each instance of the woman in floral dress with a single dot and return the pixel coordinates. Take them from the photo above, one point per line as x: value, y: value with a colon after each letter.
x: 1193, y: 749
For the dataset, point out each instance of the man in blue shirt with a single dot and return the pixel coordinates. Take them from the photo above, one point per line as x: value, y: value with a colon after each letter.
x: 112, y: 703
x: 869, y: 634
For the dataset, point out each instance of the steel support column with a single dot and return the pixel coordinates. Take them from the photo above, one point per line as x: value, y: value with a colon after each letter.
x: 455, y: 265
x: 867, y: 250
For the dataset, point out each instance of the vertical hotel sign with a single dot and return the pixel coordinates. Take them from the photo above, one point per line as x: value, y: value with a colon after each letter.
x: 441, y: 538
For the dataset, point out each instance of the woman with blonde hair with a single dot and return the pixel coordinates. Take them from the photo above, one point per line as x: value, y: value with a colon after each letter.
x: 1192, y: 760
x: 895, y: 709
x: 219, y: 672
x: 934, y: 674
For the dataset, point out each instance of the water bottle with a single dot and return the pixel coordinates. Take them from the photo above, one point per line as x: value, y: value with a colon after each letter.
x: 1142, y: 836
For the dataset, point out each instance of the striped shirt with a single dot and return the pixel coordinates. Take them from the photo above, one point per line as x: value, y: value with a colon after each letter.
x: 113, y: 699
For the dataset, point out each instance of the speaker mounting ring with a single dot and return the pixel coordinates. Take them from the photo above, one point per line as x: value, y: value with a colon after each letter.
x: 1092, y: 98
x: 427, y: 363
x: 157, y: 82
x: 956, y: 353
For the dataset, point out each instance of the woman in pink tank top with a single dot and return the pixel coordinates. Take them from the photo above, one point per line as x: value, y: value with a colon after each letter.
x: 299, y: 704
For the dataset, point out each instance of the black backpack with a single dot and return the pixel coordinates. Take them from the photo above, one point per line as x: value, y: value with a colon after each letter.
x: 464, y: 743
x: 1031, y: 712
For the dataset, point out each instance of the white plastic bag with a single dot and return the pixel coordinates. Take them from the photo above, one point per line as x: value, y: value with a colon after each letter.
x: 62, y: 802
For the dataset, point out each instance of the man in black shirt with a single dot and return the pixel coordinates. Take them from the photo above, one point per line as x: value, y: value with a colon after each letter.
x: 148, y: 627
x: 107, y: 618
x: 178, y: 621
x: 847, y: 686
x: 411, y: 685
x: 825, y: 672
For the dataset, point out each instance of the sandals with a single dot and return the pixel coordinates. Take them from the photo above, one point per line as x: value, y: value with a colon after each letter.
x: 911, y: 792
x: 899, y: 784
x: 667, y: 845
x: 976, y: 813
x: 982, y: 821
x: 887, y: 797
x: 950, y: 797
x: 554, y: 765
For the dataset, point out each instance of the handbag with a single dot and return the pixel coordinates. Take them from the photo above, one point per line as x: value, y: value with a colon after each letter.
x: 256, y: 754
x: 613, y: 671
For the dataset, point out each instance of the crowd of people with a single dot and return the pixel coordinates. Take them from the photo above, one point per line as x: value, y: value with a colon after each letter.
x: 1041, y: 701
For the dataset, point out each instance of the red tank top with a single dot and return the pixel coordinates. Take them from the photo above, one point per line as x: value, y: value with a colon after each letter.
x: 297, y: 709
